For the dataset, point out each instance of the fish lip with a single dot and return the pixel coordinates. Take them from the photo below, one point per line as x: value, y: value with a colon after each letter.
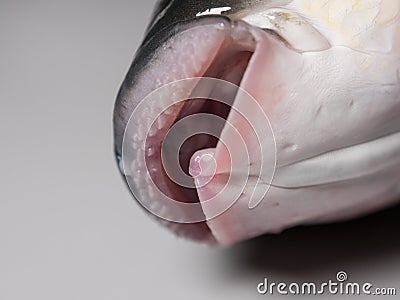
x: 371, y: 160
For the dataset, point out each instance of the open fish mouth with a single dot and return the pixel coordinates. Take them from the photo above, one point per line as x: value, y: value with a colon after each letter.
x: 227, y: 131
x: 185, y: 112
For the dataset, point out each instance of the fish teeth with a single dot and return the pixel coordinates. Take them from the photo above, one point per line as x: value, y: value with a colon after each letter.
x: 136, y: 139
x: 135, y: 145
x: 150, y: 151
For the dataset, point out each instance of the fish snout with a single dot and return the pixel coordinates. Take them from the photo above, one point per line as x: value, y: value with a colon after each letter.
x: 227, y: 128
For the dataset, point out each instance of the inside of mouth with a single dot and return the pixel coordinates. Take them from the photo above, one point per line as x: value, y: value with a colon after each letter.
x: 230, y: 65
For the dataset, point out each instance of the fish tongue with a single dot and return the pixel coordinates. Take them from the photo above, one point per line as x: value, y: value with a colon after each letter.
x: 227, y: 177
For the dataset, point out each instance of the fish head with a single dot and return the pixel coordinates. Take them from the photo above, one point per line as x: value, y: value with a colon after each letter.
x: 239, y: 118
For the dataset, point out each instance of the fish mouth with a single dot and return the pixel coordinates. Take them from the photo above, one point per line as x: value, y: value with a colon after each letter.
x: 215, y: 48
x: 163, y: 87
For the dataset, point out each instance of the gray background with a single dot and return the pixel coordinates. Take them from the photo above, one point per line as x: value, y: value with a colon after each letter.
x: 69, y: 228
